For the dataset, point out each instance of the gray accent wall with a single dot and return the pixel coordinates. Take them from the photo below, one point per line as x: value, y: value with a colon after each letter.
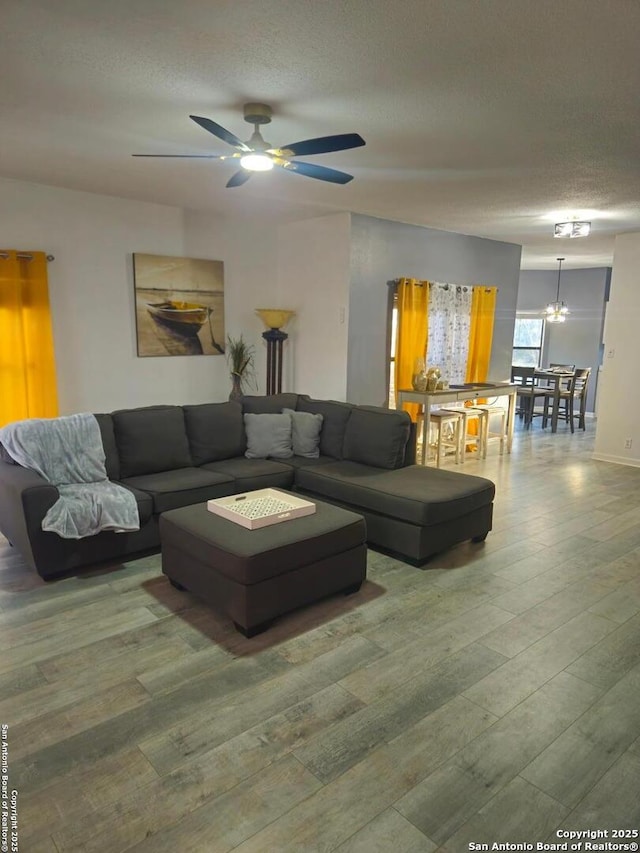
x: 579, y: 340
x: 382, y: 250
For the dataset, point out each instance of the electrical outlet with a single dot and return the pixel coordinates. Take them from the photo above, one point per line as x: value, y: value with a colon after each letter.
x: 627, y: 444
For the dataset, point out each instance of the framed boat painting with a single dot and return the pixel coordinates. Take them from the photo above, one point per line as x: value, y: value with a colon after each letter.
x: 179, y: 304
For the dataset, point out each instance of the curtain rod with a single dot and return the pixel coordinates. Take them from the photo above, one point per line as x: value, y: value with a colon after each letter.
x: 396, y: 281
x: 23, y: 256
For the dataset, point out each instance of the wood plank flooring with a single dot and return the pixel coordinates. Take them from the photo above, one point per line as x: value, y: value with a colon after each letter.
x: 491, y: 696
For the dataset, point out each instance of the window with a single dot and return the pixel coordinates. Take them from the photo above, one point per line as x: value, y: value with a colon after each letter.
x: 527, y: 341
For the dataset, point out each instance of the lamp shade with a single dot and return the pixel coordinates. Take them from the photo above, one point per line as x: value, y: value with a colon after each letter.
x: 275, y: 318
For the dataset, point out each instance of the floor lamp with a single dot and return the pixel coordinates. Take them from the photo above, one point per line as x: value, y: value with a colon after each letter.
x: 274, y: 319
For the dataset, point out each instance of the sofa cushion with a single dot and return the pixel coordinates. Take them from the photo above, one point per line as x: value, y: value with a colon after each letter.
x: 268, y: 435
x: 151, y: 439
x: 419, y: 495
x: 271, y: 404
x: 112, y: 460
x: 144, y: 502
x: 307, y: 462
x: 215, y: 431
x: 182, y: 487
x: 335, y: 416
x: 250, y: 474
x: 376, y: 436
x: 305, y: 433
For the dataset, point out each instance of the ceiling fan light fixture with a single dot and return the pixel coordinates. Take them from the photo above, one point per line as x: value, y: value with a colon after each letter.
x: 258, y: 155
x: 572, y: 229
x: 256, y: 162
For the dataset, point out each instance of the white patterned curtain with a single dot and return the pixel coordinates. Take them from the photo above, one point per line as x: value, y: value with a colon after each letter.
x: 449, y: 324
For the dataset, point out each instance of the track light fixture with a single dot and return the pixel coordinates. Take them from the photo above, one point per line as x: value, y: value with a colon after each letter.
x: 572, y: 229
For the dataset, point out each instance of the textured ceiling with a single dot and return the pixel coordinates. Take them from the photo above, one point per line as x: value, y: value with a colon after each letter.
x: 487, y: 117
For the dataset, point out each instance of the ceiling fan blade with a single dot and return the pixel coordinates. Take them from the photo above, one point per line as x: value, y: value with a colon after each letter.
x: 324, y: 144
x: 184, y: 156
x: 220, y: 132
x: 322, y: 173
x: 240, y: 177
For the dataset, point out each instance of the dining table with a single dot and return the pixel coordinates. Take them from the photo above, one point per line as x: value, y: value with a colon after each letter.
x: 458, y: 393
x: 553, y: 380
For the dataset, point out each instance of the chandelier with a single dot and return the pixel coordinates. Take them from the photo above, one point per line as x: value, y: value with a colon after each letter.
x: 556, y: 312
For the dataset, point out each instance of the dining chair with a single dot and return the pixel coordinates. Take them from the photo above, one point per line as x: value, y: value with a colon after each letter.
x: 558, y: 393
x: 575, y: 391
x: 554, y: 367
x: 528, y: 393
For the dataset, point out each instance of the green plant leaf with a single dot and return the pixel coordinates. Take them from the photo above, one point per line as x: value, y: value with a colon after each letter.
x: 240, y: 358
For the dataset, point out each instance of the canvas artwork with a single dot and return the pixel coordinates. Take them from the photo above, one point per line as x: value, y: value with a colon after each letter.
x: 179, y: 305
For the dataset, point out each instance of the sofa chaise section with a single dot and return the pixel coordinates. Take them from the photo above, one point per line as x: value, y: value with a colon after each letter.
x: 365, y: 465
x: 413, y: 511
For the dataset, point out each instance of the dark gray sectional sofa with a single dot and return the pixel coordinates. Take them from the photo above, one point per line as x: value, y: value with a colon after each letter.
x: 175, y: 456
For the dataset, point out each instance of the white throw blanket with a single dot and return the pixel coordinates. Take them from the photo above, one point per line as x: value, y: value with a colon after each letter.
x: 68, y: 452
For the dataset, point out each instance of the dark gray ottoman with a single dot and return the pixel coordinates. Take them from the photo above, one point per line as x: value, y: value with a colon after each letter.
x: 256, y: 575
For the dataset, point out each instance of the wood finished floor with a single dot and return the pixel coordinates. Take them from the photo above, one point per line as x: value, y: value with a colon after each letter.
x: 491, y: 696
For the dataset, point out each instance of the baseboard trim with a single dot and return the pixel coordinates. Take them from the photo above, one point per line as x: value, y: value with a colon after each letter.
x: 617, y: 460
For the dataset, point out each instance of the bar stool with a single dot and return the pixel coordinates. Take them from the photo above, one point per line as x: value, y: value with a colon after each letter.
x: 501, y: 436
x: 481, y: 418
x: 440, y: 419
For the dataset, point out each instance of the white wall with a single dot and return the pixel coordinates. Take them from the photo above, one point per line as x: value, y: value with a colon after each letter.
x: 91, y: 290
x: 331, y: 270
x: 250, y: 252
x: 618, y: 406
x: 93, y: 239
x: 313, y: 280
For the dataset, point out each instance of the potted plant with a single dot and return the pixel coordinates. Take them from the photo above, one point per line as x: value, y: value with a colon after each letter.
x: 240, y: 358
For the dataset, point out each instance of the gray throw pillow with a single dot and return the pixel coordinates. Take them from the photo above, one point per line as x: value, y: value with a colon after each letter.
x: 305, y: 433
x: 268, y: 435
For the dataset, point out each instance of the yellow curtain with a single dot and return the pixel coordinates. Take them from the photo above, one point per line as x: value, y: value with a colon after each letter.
x: 411, y: 333
x: 27, y: 361
x: 483, y: 309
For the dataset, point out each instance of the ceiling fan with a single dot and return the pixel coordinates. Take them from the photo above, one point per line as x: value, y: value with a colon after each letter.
x: 257, y: 155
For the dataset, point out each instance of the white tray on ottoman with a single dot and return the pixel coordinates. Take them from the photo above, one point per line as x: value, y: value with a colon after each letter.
x: 261, y: 507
